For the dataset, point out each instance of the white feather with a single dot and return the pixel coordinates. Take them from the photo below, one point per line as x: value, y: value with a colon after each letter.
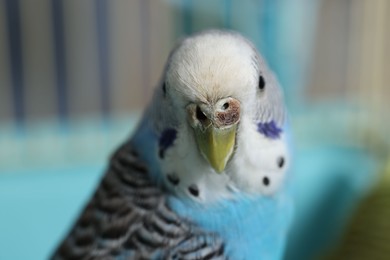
x: 204, y: 69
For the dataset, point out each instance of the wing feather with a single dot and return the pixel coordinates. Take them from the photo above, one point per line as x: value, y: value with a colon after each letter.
x: 128, y: 218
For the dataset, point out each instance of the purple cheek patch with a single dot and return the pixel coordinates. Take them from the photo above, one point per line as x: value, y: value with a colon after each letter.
x: 166, y: 140
x: 269, y: 130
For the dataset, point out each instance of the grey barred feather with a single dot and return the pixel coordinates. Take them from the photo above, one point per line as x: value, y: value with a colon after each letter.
x: 128, y: 218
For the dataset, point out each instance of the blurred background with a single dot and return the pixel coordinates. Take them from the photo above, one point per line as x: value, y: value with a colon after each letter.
x: 76, y: 75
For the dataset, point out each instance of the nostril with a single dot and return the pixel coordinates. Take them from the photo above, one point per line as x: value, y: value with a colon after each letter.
x: 227, y: 112
x: 200, y: 115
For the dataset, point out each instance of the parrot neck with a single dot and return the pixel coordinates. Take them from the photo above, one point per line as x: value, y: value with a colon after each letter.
x: 252, y: 227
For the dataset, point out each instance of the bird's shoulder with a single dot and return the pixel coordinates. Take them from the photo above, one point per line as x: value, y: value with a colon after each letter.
x: 128, y: 217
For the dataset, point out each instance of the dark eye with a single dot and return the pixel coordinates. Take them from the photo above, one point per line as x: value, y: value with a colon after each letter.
x: 225, y: 106
x: 200, y: 115
x: 261, y: 83
x: 164, y: 88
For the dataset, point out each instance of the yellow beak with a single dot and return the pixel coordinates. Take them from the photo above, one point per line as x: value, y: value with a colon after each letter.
x: 216, y: 145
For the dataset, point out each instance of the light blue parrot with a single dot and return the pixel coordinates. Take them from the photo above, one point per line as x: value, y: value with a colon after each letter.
x: 205, y: 174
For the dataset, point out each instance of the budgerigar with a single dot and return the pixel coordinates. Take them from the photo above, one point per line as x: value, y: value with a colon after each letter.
x: 203, y: 177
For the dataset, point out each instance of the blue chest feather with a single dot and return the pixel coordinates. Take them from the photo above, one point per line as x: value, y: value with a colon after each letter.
x: 252, y: 227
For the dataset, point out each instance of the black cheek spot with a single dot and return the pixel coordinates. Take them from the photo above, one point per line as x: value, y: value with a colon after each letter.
x: 281, y: 161
x: 193, y: 189
x: 266, y: 181
x: 161, y: 153
x: 261, y: 83
x: 172, y: 178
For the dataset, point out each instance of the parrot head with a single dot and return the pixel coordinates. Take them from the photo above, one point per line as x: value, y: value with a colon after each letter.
x: 217, y: 108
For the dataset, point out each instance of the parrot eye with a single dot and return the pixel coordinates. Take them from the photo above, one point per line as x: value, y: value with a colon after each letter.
x: 164, y: 88
x: 261, y: 83
x: 200, y: 115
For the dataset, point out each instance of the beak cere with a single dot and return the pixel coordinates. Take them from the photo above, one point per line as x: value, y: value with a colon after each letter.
x: 215, y: 129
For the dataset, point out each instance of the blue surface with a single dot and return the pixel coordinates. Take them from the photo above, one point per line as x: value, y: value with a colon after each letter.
x: 329, y: 182
x: 37, y: 206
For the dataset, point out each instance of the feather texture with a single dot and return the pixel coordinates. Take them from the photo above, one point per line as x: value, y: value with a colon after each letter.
x: 128, y: 218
